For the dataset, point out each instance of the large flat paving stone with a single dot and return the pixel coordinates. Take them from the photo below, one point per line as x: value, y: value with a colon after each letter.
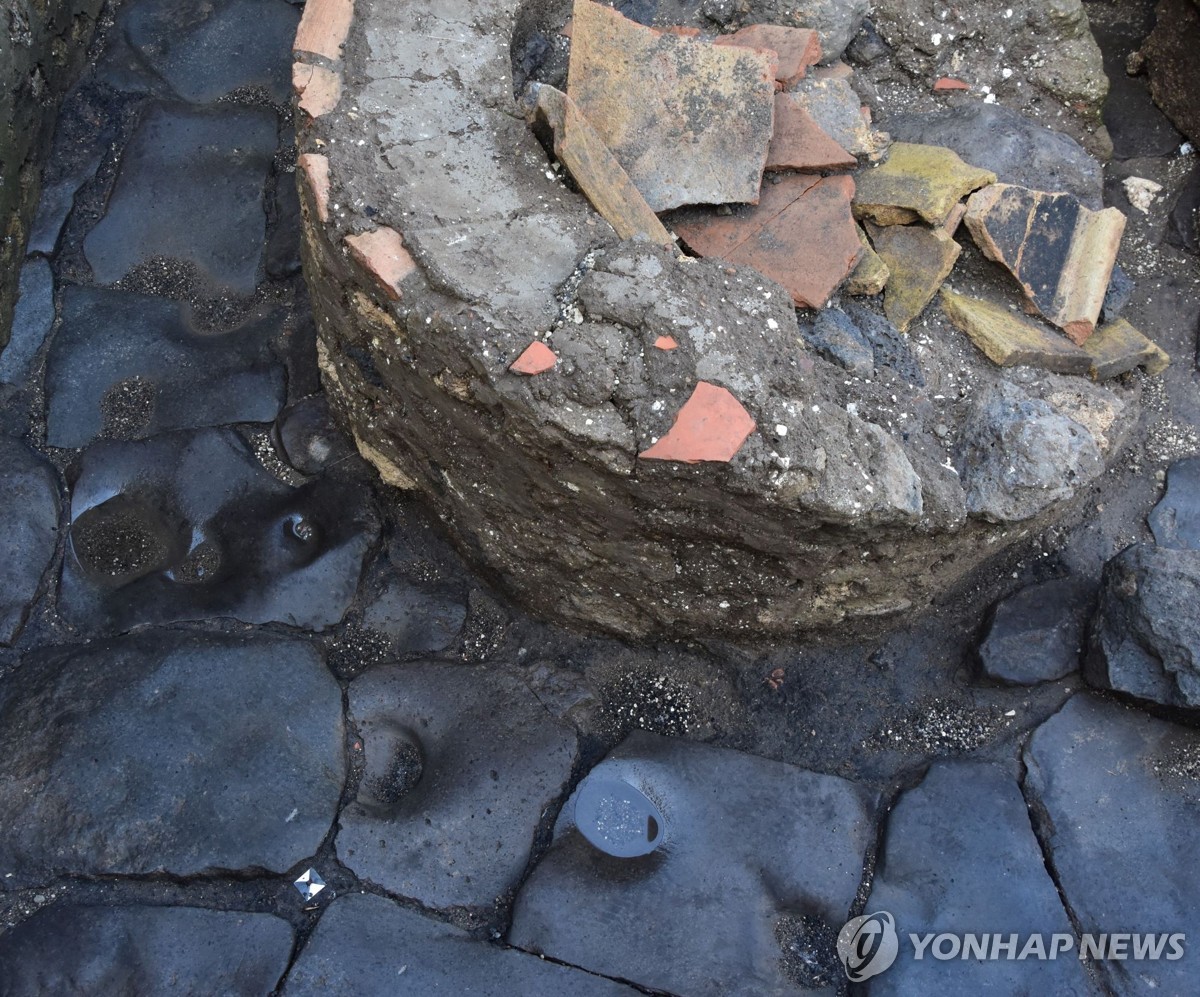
x: 1120, y: 792
x: 749, y: 847
x: 32, y: 318
x: 144, y: 950
x: 132, y: 366
x: 461, y: 764
x: 170, y: 753
x: 29, y: 507
x: 190, y: 188
x: 366, y: 944
x: 960, y: 855
x: 189, y: 526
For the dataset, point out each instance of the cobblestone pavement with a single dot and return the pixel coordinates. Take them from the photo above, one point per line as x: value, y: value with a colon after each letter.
x: 231, y: 659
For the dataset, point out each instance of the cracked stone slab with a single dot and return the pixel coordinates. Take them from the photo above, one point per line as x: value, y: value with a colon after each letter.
x: 190, y: 188
x: 189, y: 526
x: 366, y: 944
x: 453, y: 788
x: 917, y: 183
x: 221, y: 753
x: 29, y: 509
x: 717, y: 914
x: 689, y: 121
x: 415, y: 620
x: 1010, y: 340
x: 959, y: 854
x: 1061, y: 253
x: 127, y: 950
x: 1119, y: 794
x: 918, y: 259
x: 131, y: 366
x: 1175, y: 521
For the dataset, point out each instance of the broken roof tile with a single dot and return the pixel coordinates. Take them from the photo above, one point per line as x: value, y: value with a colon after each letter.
x: 595, y: 169
x: 323, y: 28
x: 950, y: 83
x: 797, y: 48
x: 1011, y: 340
x: 1117, y: 348
x: 315, y: 169
x: 801, y: 235
x: 871, y: 274
x: 666, y: 343
x: 536, y: 359
x: 382, y: 252
x: 799, y: 143
x: 840, y: 114
x: 1061, y: 253
x: 918, y: 259
x: 317, y: 89
x: 689, y: 121
x: 918, y: 182
x: 711, y: 426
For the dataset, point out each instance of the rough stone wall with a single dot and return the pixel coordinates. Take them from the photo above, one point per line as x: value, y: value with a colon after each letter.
x: 42, y: 46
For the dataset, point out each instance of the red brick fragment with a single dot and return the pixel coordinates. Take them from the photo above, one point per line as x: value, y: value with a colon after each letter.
x: 797, y: 48
x: 324, y: 26
x: 666, y: 343
x: 537, y: 359
x: 382, y: 252
x: 315, y: 169
x: 711, y: 426
x: 799, y: 143
x: 949, y: 83
x: 317, y: 89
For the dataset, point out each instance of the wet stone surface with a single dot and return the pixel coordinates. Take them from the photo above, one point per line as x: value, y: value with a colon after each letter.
x: 593, y: 910
x: 28, y: 531
x: 75, y: 949
x: 167, y: 753
x: 452, y: 789
x: 190, y: 526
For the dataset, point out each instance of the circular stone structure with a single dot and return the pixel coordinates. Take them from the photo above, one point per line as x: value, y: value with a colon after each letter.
x: 442, y: 245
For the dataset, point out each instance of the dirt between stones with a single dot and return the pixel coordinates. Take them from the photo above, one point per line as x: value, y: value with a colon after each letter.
x: 858, y: 497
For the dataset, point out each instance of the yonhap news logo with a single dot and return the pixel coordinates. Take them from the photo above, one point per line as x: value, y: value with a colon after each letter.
x: 870, y: 944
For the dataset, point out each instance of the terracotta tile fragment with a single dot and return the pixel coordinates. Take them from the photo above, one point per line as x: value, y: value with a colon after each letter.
x: 1009, y: 340
x: 666, y: 343
x: 797, y: 48
x: 801, y: 235
x: 690, y: 122
x: 800, y: 144
x: 382, y: 252
x: 315, y: 169
x: 536, y: 359
x: 871, y: 274
x: 1060, y: 252
x: 950, y: 83
x: 711, y: 426
x: 919, y: 259
x: 954, y: 219
x: 317, y: 89
x: 1117, y: 348
x: 918, y: 182
x: 595, y: 169
x: 324, y: 26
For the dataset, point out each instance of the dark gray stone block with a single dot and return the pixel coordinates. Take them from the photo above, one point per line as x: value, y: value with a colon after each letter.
x: 1037, y: 635
x: 29, y: 508
x: 1175, y: 521
x: 32, y: 318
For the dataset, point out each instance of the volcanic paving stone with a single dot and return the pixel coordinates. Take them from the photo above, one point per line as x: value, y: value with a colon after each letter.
x: 800, y: 144
x: 1037, y: 635
x: 1014, y: 147
x: 1118, y: 347
x: 689, y: 121
x: 188, y: 526
x: 416, y: 621
x: 1175, y: 521
x: 918, y: 260
x: 1121, y: 803
x: 1061, y: 253
x: 1170, y: 53
x: 145, y: 950
x: 206, y: 51
x: 800, y: 234
x: 190, y: 188
x: 29, y: 507
x: 167, y: 752
x: 1145, y: 639
x: 32, y: 318
x: 593, y: 166
x: 132, y: 366
x: 365, y: 944
x: 834, y: 336
x: 892, y: 349
x: 960, y: 855
x: 310, y: 438
x: 453, y: 787
x: 917, y: 183
x: 700, y: 914
x: 1010, y: 340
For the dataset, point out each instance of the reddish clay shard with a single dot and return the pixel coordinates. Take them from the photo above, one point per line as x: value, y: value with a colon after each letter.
x: 317, y: 89
x: 666, y: 343
x: 382, y: 252
x: 799, y: 143
x: 324, y: 26
x: 315, y: 169
x: 711, y: 426
x: 537, y: 359
x: 797, y: 48
x: 949, y: 83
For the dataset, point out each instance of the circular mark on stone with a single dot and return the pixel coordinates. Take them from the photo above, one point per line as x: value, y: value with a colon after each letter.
x: 201, y: 563
x: 394, y: 766
x: 302, y: 528
x: 618, y: 819
x: 128, y: 408
x: 120, y: 541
